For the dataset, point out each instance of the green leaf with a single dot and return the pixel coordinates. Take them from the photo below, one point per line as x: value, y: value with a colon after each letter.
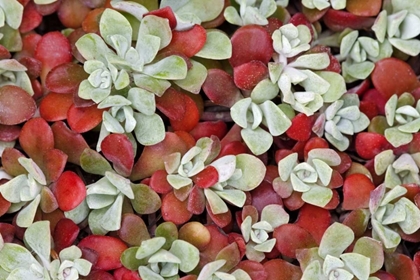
x: 14, y: 256
x: 238, y: 112
x: 225, y: 167
x: 372, y: 249
x: 114, y: 23
x: 265, y: 90
x: 146, y: 200
x: 210, y: 268
x: 318, y: 196
x: 217, y: 46
x: 13, y: 11
x: 314, y: 82
x: 314, y: 61
x: 149, y: 130
x: 142, y: 100
x: 11, y: 189
x: 235, y: 197
x: 274, y: 118
x: 389, y: 238
x: 396, y: 137
x: 38, y: 238
x: 206, y: 11
x: 129, y: 260
x: 286, y: 165
x: 94, y: 163
x: 410, y: 47
x: 131, y: 7
x: 78, y: 214
x: 187, y: 253
x: 92, y: 47
x: 155, y: 26
x: 337, y: 86
x: 217, y: 205
x: 253, y: 172
x: 26, y: 216
x: 313, y: 271
x: 172, y: 67
x: 257, y: 140
x: 149, y: 247
x: 195, y: 78
x: 178, y: 181
x: 275, y: 215
x: 147, y: 273
x: 411, y: 223
x: 358, y: 264
x: 151, y: 84
x: 335, y: 240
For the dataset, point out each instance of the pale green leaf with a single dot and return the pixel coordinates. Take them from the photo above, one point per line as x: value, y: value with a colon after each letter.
x: 13, y: 11
x: 149, y: 130
x: 38, y: 238
x: 26, y: 216
x: 337, y: 86
x: 253, y: 172
x: 195, y: 78
x: 147, y: 273
x: 78, y: 214
x: 12, y: 188
x: 114, y: 23
x: 142, y: 100
x: 151, y: 84
x: 206, y: 11
x: 131, y: 7
x: 318, y: 196
x: 121, y: 183
x: 315, y: 61
x: 335, y: 240
x: 372, y: 249
x: 217, y: 205
x: 14, y: 256
x: 217, y: 46
x: 156, y: 26
x: 239, y: 110
x: 286, y: 165
x: 396, y: 137
x: 92, y: 47
x: 187, y: 253
x: 257, y: 140
x: 411, y: 223
x: 149, y: 247
x: 169, y: 68
x: 275, y: 215
x: 265, y: 90
x: 235, y: 197
x: 274, y: 118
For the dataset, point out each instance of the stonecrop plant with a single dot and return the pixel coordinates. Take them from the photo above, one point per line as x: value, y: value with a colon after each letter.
x: 209, y: 140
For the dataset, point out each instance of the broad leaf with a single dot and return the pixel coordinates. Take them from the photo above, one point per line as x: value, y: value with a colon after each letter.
x: 169, y: 68
x: 335, y: 240
x: 149, y: 130
x: 217, y: 46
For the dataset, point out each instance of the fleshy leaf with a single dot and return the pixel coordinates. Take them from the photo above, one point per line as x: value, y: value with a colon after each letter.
x: 217, y: 46
x: 38, y: 238
x: 149, y: 130
x: 329, y: 244
x: 170, y: 68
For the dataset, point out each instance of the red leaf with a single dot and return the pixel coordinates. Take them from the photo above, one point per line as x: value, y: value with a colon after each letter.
x: 246, y: 76
x: 65, y: 78
x: 206, y: 178
x: 133, y: 229
x: 109, y: 250
x: 291, y: 237
x: 251, y: 42
x: 273, y: 25
x: 33, y: 65
x: 220, y: 88
x: 288, y: 270
x: 151, y: 158
x: 375, y: 97
x: 36, y: 138
x: 294, y: 202
x: 4, y: 53
x: 339, y: 20
x: 254, y: 269
x: 189, y: 41
x: 31, y: 18
x: 196, y: 201
x: 4, y: 207
x: 54, y: 106
x: 83, y: 119
x: 301, y: 19
x: 171, y: 104
x: 190, y: 118
x: 9, y: 133
x: 123, y: 273
x: 10, y: 163
x: 174, y: 210
x: 117, y: 148
x: 356, y: 191
x: 357, y: 221
x: 165, y: 12
x: 159, y: 183
x: 334, y: 65
x: 71, y: 13
x: 301, y: 128
x: 54, y: 163
x: 315, y: 220
x: 401, y: 266
x: 69, y: 190
x: 393, y: 76
x: 47, y: 9
x: 7, y: 232
x: 91, y: 22
x: 264, y: 195
x: 221, y: 220
x: 29, y: 43
x: 369, y: 144
x: 209, y: 128
x: 65, y: 233
x: 16, y: 105
x: 52, y: 50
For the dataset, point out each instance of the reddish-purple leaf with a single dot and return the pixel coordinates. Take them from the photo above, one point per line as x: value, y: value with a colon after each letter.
x: 288, y: 271
x: 71, y: 13
x: 65, y: 78
x: 31, y: 18
x: 165, y: 12
x: 9, y: 133
x: 52, y: 50
x: 7, y: 231
x: 16, y: 105
x: 4, y: 207
x: 133, y: 229
x: 356, y: 192
x: 117, y: 148
x: 108, y: 248
x: 206, y: 178
x: 339, y: 20
x: 36, y: 138
x: 47, y: 9
x: 209, y: 128
x: 315, y: 220
x: 71, y: 143
x: 220, y: 88
x: 152, y: 157
x: 54, y: 163
x: 221, y: 220
x: 246, y: 76
x: 401, y: 266
x: 65, y: 233
x: 356, y: 220
x: 254, y: 269
x: 291, y: 237
x: 171, y: 104
x: 189, y: 41
x: 174, y: 210
x: 159, y: 183
x: 48, y: 202
x: 251, y: 42
x: 196, y: 201
x: 369, y: 144
x: 33, y: 65
x: 69, y: 190
x: 10, y: 163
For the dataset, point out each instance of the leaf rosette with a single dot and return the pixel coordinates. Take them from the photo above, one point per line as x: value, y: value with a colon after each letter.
x: 156, y: 262
x: 256, y: 231
x: 400, y: 170
x: 212, y: 270
x: 69, y: 265
x: 11, y: 14
x: 329, y: 262
x: 340, y: 119
x: 250, y: 12
x: 323, y: 4
x: 403, y: 120
x: 390, y: 211
x: 14, y: 73
x: 319, y: 86
x: 311, y: 178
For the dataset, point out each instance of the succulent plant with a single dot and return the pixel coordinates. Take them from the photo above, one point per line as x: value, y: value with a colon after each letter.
x: 211, y: 271
x: 311, y: 178
x: 323, y: 4
x: 341, y: 118
x: 256, y: 231
x: 250, y: 12
x: 14, y: 73
x: 328, y: 260
x: 399, y: 170
x: 388, y: 208
x: 403, y: 120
